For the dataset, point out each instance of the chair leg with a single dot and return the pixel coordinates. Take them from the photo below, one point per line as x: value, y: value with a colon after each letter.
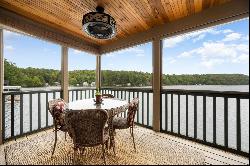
x: 103, y: 154
x: 75, y: 156
x: 107, y: 144
x: 111, y: 139
x: 54, y: 143
x: 83, y: 150
x: 113, y: 144
x: 132, y: 134
x: 65, y: 136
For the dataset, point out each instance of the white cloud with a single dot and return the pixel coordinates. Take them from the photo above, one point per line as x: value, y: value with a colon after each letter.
x: 242, y: 47
x: 244, y: 58
x: 212, y: 62
x: 246, y: 38
x: 133, y: 51
x: 200, y: 37
x: 110, y: 55
x: 195, y: 36
x: 216, y: 49
x: 232, y: 37
x: 8, y: 48
x: 172, y: 42
x: 213, y: 31
x: 76, y: 51
x: 227, y: 31
x: 216, y: 53
x: 187, y: 54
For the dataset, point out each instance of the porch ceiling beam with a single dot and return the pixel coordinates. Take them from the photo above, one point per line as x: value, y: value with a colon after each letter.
x: 20, y: 23
x: 234, y: 10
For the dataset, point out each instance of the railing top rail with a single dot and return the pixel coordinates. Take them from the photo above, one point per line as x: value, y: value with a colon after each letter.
x: 183, y: 91
x: 234, y: 94
x: 207, y: 93
x: 30, y: 92
x: 81, y: 88
x: 136, y: 89
x: 44, y: 90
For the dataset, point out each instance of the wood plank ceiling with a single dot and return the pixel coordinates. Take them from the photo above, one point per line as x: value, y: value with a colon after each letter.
x: 132, y: 16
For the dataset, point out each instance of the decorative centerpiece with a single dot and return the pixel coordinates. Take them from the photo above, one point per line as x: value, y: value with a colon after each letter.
x: 98, y: 97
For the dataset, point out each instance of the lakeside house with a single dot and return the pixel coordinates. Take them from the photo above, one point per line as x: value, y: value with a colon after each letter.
x: 85, y: 84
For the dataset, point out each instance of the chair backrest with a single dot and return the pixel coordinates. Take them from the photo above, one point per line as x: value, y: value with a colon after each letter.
x: 132, y: 109
x: 86, y: 127
x: 108, y: 96
x: 57, y: 108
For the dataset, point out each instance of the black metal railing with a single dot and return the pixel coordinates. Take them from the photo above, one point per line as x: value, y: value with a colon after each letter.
x: 187, y: 114
x: 81, y: 93
x: 207, y: 117
x: 25, y: 112
x: 145, y: 95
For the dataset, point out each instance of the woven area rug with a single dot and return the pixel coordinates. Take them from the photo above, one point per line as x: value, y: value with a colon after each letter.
x: 151, y: 149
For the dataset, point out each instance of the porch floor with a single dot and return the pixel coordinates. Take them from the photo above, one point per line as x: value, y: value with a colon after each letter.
x: 146, y: 140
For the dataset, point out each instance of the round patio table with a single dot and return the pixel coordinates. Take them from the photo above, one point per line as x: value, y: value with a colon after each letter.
x: 112, y: 106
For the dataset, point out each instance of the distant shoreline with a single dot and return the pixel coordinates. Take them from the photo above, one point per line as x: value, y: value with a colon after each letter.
x: 240, y: 88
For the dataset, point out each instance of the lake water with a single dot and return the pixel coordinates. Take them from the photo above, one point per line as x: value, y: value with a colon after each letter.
x: 209, y: 121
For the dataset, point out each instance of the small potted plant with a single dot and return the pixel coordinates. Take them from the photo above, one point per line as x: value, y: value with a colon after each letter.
x: 98, y: 97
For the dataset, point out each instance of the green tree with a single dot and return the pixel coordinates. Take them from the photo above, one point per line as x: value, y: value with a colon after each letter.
x: 33, y: 77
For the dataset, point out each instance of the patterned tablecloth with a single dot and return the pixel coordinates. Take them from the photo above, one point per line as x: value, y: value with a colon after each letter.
x: 112, y: 106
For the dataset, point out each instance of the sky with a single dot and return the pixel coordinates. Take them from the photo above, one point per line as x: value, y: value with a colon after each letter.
x: 222, y: 49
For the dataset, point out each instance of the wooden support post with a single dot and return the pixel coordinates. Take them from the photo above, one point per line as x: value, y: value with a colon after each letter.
x: 157, y: 75
x: 98, y: 72
x: 1, y: 84
x: 65, y: 74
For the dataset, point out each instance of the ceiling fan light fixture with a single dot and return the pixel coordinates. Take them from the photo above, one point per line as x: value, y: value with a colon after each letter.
x: 99, y: 24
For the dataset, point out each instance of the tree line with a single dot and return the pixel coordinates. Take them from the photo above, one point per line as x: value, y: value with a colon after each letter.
x: 34, y: 77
